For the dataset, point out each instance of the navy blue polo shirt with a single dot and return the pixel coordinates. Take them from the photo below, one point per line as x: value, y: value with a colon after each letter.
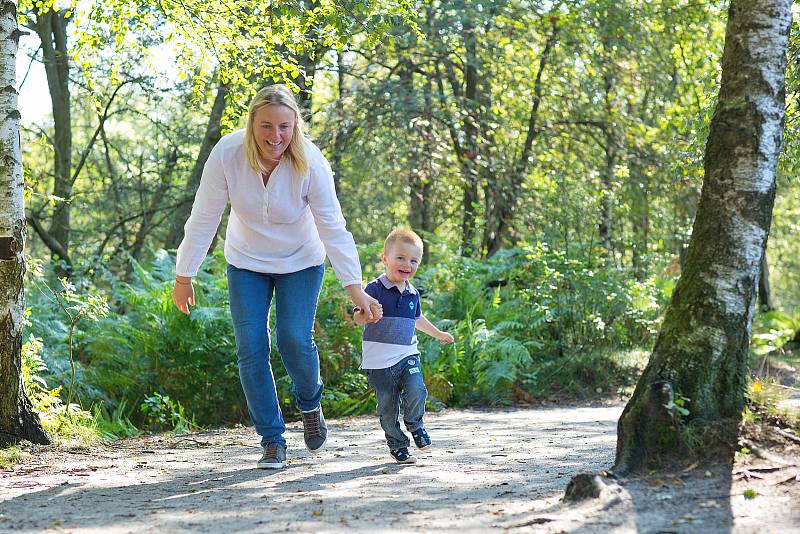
x: 395, y: 336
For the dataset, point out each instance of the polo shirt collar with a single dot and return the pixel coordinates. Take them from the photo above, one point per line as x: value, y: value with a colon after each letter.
x: 388, y: 284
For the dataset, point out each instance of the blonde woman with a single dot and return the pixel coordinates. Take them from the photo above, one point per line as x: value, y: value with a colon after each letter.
x: 285, y: 218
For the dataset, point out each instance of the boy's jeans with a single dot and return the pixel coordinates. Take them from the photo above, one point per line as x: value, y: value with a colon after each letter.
x: 296, y: 297
x: 403, y: 381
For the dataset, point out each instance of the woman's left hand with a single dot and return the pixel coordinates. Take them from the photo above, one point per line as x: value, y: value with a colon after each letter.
x: 371, y: 307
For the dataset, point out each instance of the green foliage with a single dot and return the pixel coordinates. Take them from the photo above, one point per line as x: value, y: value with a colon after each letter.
x: 148, y: 365
x: 764, y: 399
x: 10, y: 456
x: 772, y: 330
x: 150, y: 347
x: 575, y: 319
x: 62, y: 421
x: 163, y: 413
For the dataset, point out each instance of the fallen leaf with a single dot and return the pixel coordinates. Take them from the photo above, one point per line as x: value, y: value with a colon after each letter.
x: 691, y: 467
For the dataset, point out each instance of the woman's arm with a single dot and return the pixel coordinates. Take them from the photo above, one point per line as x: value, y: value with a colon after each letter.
x: 209, y: 204
x: 331, y: 225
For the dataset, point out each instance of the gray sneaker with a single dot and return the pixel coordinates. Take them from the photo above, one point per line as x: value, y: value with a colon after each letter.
x: 315, y: 431
x: 274, y: 457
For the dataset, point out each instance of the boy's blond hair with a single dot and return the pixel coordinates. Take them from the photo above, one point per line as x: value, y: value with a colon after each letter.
x: 403, y: 235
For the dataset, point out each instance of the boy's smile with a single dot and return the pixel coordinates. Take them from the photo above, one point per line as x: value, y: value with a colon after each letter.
x: 401, y: 260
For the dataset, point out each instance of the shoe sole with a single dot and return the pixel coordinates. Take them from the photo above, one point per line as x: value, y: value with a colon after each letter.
x: 411, y: 460
x: 426, y: 447
x: 270, y: 466
x: 318, y: 449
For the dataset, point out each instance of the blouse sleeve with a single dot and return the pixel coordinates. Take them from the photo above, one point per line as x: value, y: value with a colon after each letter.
x: 209, y: 205
x: 331, y: 225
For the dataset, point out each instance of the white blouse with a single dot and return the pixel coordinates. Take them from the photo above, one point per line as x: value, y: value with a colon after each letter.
x: 285, y: 227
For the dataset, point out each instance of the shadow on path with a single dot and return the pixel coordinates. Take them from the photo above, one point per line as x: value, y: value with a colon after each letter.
x: 485, y: 470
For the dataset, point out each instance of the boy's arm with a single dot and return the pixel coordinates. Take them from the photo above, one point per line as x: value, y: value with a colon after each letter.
x: 429, y: 328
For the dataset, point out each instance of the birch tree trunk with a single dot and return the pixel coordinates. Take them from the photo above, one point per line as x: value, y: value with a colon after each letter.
x: 211, y: 138
x: 17, y: 419
x: 701, y: 353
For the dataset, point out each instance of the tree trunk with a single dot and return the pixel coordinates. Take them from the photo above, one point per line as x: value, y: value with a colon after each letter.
x: 639, y: 185
x: 469, y: 159
x: 340, y: 135
x: 17, y: 419
x: 764, y: 295
x: 608, y: 175
x: 212, y: 137
x: 421, y: 183
x: 701, y: 353
x: 501, y: 204
x: 52, y: 30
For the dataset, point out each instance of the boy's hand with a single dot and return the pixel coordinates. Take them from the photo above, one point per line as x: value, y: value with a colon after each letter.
x: 377, y: 311
x: 361, y: 317
x: 445, y: 338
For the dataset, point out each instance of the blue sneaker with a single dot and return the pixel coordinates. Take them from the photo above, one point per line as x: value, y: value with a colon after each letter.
x: 402, y: 456
x: 421, y: 439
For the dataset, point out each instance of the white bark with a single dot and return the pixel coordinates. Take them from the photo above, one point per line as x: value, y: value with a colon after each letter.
x: 12, y: 211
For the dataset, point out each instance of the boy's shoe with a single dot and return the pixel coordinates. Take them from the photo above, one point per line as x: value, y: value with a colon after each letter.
x: 315, y: 431
x: 274, y: 457
x: 421, y: 439
x: 402, y: 456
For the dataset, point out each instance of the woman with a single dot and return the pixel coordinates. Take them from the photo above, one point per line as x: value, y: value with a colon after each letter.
x: 284, y: 218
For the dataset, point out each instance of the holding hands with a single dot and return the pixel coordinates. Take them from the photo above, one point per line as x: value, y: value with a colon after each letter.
x: 361, y: 316
x: 369, y: 309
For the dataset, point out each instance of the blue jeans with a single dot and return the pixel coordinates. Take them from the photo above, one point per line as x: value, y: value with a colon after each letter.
x: 403, y: 381
x: 296, y: 297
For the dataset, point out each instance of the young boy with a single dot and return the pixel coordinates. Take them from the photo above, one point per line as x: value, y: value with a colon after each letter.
x: 389, y: 348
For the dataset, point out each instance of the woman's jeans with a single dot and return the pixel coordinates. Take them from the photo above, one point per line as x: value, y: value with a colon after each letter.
x: 403, y: 381
x: 296, y: 297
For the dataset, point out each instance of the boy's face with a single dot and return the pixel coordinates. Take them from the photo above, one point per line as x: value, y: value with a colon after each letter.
x: 401, y: 260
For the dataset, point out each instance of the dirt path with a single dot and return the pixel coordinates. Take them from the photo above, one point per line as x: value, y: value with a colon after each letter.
x: 489, y: 471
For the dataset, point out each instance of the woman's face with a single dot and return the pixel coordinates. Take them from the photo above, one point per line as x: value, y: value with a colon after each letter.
x: 273, y: 127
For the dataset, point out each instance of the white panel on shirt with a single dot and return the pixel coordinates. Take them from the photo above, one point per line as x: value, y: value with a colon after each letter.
x: 382, y: 355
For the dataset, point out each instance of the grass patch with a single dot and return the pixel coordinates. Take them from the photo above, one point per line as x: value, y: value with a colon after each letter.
x: 587, y: 375
x: 764, y: 404
x: 11, y: 456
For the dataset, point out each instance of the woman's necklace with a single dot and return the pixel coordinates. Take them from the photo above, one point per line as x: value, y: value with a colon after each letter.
x: 265, y: 175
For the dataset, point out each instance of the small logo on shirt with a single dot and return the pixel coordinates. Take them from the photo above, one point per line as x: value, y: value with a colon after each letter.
x: 410, y: 305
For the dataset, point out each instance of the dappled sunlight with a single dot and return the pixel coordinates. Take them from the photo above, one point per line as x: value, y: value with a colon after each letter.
x: 485, y: 469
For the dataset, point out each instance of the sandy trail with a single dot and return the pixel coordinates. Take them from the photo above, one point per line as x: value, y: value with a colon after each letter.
x: 488, y: 471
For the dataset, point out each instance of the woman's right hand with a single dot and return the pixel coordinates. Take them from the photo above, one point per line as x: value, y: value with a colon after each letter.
x: 183, y: 294
x: 371, y: 307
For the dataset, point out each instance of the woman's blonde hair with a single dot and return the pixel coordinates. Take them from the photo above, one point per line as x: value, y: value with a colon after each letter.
x: 280, y: 95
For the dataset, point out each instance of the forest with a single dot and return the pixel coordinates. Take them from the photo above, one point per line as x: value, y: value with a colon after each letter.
x: 550, y: 154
